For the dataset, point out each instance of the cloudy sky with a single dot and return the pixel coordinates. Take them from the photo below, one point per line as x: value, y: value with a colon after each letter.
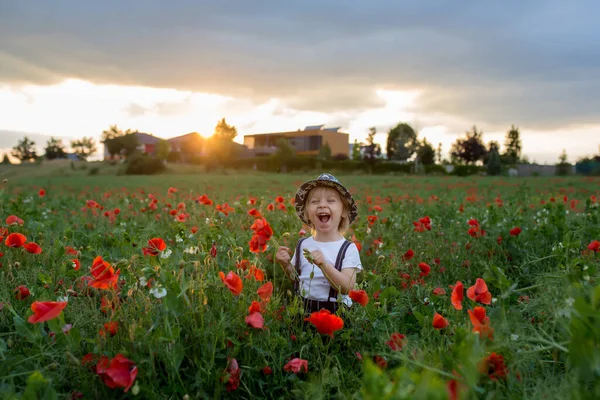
x: 71, y: 68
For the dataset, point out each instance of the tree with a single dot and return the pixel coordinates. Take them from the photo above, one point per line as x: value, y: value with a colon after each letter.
x: 470, y: 149
x: 84, y: 147
x: 512, y: 145
x: 563, y: 167
x: 325, y: 152
x: 493, y: 162
x: 112, y: 139
x: 356, y: 150
x: 285, y: 152
x: 372, y: 149
x: 426, y: 153
x: 401, y: 142
x: 55, y: 149
x: 438, y: 153
x: 128, y: 143
x: 25, y: 150
x: 225, y: 131
x: 162, y: 149
x: 5, y: 160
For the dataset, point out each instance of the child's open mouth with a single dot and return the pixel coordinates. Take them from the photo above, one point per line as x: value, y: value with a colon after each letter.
x: 323, y: 217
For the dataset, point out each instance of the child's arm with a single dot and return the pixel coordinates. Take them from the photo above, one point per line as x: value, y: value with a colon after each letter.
x: 283, y: 258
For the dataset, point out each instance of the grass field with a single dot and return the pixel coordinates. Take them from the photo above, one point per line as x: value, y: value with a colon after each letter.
x: 159, y: 323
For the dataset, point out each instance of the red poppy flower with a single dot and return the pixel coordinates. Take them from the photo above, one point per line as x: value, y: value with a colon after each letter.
x: 359, y: 296
x: 372, y: 219
x: 71, y: 251
x: 104, y: 275
x: 408, y: 255
x: 438, y: 291
x: 325, y: 322
x: 255, y: 320
x: 481, y: 323
x: 232, y: 375
x: 256, y: 273
x: 296, y: 366
x: 258, y: 244
x: 396, y: 342
x: 110, y: 327
x: 255, y: 213
x: 494, y: 366
x: 118, y: 372
x: 439, y: 322
x: 267, y: 370
x: 256, y: 307
x: 265, y: 291
x: 22, y: 292
x: 515, y: 231
x: 458, y: 293
x: 15, y: 240
x: 233, y: 282
x: 279, y: 199
x: 42, y: 193
x: 425, y: 269
x: 46, y: 310
x: 32, y: 248
x: 14, y: 220
x: 155, y: 246
x: 76, y: 264
x: 594, y: 246
x: 479, y: 292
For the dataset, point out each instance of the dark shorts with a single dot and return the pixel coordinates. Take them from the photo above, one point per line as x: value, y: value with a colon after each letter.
x: 312, y: 306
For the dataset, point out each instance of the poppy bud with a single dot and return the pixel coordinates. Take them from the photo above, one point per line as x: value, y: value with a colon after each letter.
x: 289, y: 293
x: 285, y: 234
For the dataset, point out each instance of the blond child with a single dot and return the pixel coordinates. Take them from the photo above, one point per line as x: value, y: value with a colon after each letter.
x: 333, y: 262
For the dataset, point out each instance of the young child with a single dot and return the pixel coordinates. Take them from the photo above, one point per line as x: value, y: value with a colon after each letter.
x: 328, y: 208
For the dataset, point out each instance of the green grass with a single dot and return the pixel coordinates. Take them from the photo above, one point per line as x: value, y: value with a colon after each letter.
x: 182, y: 343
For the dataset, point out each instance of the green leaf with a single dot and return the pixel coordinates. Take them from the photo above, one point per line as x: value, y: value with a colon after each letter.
x: 38, y: 388
x: 23, y: 329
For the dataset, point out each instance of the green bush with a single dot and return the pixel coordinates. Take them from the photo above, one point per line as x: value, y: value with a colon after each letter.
x: 466, y: 170
x: 144, y: 165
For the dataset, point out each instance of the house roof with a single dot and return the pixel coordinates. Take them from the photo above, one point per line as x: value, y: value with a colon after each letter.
x: 194, y: 135
x: 145, y: 138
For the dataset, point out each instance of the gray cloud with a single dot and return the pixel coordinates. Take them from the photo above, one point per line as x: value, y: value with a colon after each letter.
x: 533, y: 63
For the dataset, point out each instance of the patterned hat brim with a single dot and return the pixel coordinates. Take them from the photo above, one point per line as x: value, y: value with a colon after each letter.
x: 304, y: 190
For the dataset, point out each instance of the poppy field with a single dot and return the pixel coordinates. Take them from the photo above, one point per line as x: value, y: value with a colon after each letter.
x: 165, y: 288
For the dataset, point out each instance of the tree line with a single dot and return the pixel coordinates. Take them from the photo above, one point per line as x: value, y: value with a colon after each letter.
x: 25, y: 150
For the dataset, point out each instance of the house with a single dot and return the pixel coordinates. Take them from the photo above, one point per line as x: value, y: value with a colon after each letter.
x: 146, y: 144
x: 306, y: 142
x: 188, y: 146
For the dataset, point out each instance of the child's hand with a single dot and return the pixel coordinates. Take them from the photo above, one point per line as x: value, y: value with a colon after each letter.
x: 283, y: 255
x: 318, y: 258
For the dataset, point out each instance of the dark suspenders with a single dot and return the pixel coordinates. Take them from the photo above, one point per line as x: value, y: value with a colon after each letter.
x: 338, y: 265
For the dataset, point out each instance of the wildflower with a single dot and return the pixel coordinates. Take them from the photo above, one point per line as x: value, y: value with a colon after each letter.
x: 22, y: 292
x: 255, y: 320
x: 594, y: 246
x: 425, y: 269
x: 14, y: 220
x: 158, y: 292
x: 479, y: 292
x: 32, y: 248
x: 408, y: 255
x: 396, y: 342
x: 265, y: 291
x: 494, y: 366
x: 438, y: 291
x: 233, y: 282
x: 481, y: 323
x: 15, y: 240
x: 359, y: 296
x: 457, y: 295
x: 118, y: 372
x: 104, y: 274
x: 166, y: 254
x: 515, y: 231
x: 325, y: 322
x: 439, y: 322
x: 45, y: 311
x: 155, y: 246
x: 296, y: 366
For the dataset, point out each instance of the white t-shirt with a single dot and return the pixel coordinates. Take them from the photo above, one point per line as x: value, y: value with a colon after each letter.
x: 318, y: 287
